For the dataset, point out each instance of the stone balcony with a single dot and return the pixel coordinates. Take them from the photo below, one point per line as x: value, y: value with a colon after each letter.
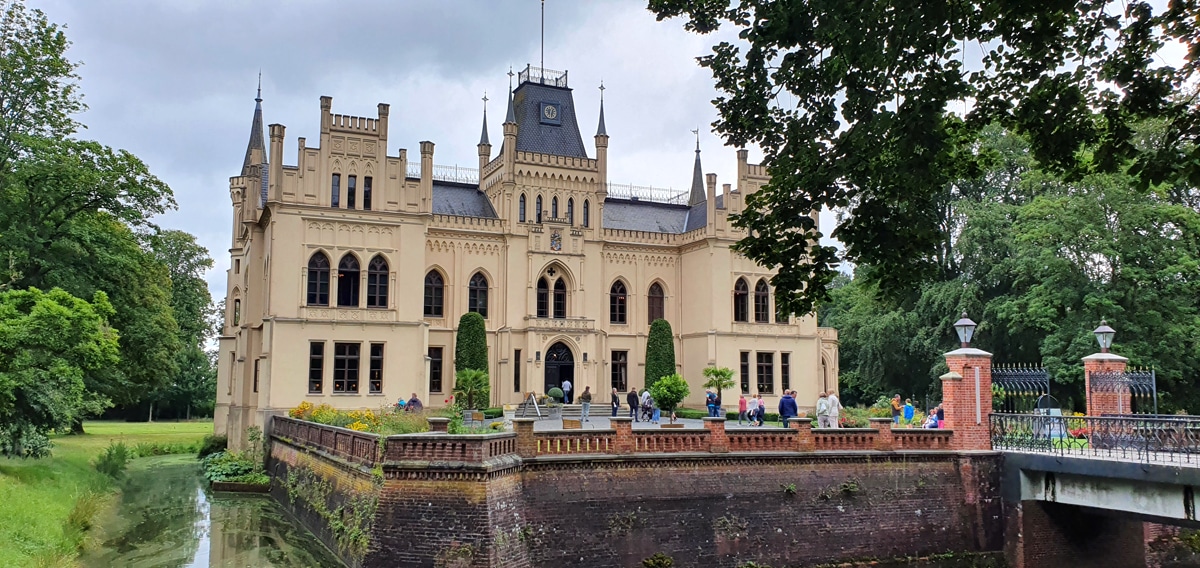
x: 560, y: 324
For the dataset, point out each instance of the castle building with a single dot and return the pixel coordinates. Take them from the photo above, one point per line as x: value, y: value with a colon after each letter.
x: 350, y: 269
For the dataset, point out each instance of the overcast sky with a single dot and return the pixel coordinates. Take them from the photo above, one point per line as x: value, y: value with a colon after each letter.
x: 173, y: 82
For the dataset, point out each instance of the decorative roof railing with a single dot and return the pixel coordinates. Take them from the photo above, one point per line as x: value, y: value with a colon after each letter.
x: 542, y: 76
x: 647, y: 193
x: 457, y: 174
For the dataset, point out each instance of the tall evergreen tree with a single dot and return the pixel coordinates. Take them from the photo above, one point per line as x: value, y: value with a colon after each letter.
x: 660, y: 352
x: 470, y: 345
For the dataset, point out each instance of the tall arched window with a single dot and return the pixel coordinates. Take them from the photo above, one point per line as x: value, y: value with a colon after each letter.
x: 348, y: 282
x: 762, y: 302
x: 560, y: 299
x: 570, y: 210
x: 655, y: 301
x: 586, y: 219
x: 554, y: 207
x: 377, y: 283
x: 521, y: 209
x: 318, y: 280
x: 781, y: 316
x: 741, y: 299
x: 543, y: 298
x: 618, y: 301
x: 477, y: 294
x: 538, y: 213
x: 434, y: 292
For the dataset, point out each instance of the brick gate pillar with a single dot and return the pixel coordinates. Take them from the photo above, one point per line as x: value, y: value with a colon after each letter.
x: 623, y: 440
x: 718, y: 440
x: 1099, y: 403
x: 967, y: 398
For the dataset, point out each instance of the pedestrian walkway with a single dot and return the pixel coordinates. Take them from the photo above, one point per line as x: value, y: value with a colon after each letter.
x: 603, y: 423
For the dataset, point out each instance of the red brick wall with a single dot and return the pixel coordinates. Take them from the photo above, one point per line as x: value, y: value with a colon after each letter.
x: 959, y: 401
x: 1101, y: 403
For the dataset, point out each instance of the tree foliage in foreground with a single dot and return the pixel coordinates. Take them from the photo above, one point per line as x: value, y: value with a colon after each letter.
x: 51, y: 345
x: 851, y: 103
x: 1038, y: 260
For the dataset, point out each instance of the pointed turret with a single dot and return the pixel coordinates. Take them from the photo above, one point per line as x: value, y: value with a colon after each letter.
x: 600, y: 130
x: 697, y: 195
x: 257, y: 140
x: 512, y: 112
x: 485, y: 145
x: 483, y: 138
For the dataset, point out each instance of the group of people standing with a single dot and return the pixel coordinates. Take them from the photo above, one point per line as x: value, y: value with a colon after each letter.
x: 644, y: 403
x: 751, y: 409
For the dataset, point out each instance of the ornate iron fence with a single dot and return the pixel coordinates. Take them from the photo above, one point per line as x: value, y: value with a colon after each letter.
x: 1016, y: 388
x: 1127, y: 438
x: 1140, y: 384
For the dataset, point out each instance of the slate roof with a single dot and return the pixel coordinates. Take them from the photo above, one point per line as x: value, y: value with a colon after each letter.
x: 647, y: 216
x: 464, y: 200
x: 532, y: 135
x: 697, y: 217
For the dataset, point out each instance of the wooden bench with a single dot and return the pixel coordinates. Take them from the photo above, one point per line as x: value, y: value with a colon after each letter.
x: 569, y: 424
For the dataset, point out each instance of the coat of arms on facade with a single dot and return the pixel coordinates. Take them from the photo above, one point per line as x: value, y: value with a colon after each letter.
x: 556, y: 241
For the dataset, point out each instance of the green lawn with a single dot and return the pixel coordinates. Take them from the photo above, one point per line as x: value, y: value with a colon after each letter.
x: 45, y: 500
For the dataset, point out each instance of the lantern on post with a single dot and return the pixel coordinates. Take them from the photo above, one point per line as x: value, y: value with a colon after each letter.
x: 1104, y: 335
x: 966, y: 329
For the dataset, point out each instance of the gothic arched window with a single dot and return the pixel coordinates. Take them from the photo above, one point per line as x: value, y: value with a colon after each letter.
x: 571, y: 211
x: 554, y: 207
x: 377, y: 283
x: 655, y: 301
x: 521, y: 209
x: 586, y: 216
x: 318, y: 280
x: 741, y: 298
x: 543, y: 298
x: 762, y: 302
x: 560, y: 299
x: 538, y: 213
x: 618, y: 301
x: 347, y: 285
x: 434, y: 293
x: 477, y: 294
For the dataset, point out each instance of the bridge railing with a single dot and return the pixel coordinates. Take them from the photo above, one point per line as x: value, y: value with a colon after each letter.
x: 1174, y: 439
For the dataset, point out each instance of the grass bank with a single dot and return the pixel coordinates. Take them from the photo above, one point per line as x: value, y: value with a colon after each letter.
x: 49, y: 503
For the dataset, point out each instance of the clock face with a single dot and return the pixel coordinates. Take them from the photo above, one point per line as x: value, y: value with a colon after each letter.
x: 550, y: 111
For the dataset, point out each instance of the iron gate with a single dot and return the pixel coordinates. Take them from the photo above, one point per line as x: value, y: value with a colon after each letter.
x: 1016, y: 388
x: 1140, y: 384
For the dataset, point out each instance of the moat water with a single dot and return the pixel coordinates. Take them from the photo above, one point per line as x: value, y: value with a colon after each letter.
x: 167, y: 517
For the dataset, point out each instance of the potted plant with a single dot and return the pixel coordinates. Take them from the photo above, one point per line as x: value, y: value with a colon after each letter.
x: 667, y: 393
x: 554, y: 402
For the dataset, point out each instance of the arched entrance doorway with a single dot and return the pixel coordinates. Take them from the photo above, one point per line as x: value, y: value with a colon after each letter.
x: 560, y: 366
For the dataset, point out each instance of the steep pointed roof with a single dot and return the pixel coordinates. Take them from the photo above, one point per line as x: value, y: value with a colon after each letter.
x: 512, y: 112
x: 698, y: 194
x: 256, y: 131
x: 600, y: 130
x: 483, y: 138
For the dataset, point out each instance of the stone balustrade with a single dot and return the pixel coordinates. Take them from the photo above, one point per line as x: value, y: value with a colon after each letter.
x: 437, y: 446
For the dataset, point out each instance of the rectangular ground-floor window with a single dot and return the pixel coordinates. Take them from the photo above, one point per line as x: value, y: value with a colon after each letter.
x: 345, y: 367
x: 517, y: 370
x: 435, y: 369
x: 375, y: 384
x: 766, y: 372
x: 316, y: 366
x: 620, y: 370
x: 745, y: 372
x: 785, y: 371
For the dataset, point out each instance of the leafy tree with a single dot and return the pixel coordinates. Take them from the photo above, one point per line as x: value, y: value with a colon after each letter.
x: 50, y: 344
x: 470, y: 346
x: 872, y: 109
x: 719, y: 378
x: 38, y: 93
x: 660, y: 351
x: 472, y: 389
x: 668, y: 391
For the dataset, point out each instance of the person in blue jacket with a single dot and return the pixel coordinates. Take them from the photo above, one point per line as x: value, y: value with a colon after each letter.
x: 787, y: 408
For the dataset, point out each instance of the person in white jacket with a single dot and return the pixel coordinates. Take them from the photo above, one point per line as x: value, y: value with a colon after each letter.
x: 835, y: 406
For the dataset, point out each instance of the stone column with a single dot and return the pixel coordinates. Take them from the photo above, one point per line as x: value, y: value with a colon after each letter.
x: 438, y: 424
x: 718, y: 441
x: 804, y: 435
x: 884, y: 441
x: 526, y: 443
x: 967, y: 398
x: 1100, y: 403
x: 624, y: 439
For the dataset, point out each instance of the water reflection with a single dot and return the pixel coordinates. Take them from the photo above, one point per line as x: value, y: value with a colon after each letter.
x: 166, y: 518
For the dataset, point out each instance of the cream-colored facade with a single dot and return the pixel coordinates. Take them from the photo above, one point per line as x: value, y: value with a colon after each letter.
x: 350, y: 270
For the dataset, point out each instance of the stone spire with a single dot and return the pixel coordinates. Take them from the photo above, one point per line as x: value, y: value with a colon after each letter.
x: 697, y: 195
x: 600, y: 131
x: 483, y: 138
x: 257, y: 140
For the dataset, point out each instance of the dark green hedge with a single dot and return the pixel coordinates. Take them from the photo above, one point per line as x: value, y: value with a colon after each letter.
x: 470, y: 347
x: 660, y: 352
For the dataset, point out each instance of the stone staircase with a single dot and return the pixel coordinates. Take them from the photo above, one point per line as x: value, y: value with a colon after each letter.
x: 568, y: 411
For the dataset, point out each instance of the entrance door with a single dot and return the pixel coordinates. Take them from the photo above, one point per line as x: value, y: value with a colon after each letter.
x: 560, y: 366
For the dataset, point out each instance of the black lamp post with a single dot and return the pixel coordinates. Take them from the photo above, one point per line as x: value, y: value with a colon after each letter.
x: 1104, y: 335
x: 966, y: 329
